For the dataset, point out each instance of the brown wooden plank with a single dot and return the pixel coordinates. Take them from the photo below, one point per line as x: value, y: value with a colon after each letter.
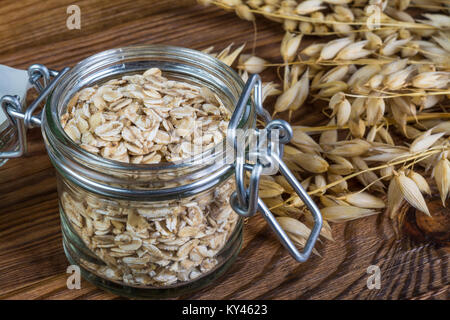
x: 32, y: 262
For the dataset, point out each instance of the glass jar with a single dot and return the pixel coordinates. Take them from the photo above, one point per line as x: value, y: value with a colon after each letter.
x: 165, y: 229
x: 131, y: 228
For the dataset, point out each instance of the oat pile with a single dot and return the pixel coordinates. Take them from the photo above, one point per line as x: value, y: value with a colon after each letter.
x: 152, y: 245
x: 146, y: 119
x: 149, y: 119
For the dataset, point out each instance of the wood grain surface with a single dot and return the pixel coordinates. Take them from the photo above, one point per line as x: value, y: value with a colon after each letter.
x: 414, y: 263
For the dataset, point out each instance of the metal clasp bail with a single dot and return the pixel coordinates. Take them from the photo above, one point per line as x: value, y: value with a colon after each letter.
x: 246, y: 201
x: 39, y: 77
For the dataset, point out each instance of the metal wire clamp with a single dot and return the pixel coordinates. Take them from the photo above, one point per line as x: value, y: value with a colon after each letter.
x: 262, y: 157
x: 40, y: 77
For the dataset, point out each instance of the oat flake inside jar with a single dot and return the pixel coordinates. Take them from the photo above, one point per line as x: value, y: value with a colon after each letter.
x: 146, y: 180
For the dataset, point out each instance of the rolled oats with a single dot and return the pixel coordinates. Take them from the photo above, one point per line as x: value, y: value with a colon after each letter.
x: 146, y: 119
x: 153, y: 246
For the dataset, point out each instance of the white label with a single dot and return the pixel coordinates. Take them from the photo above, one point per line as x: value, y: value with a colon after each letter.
x: 2, y: 117
x: 13, y: 82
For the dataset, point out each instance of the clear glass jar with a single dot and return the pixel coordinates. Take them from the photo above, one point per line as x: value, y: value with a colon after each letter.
x: 146, y: 231
x: 158, y: 230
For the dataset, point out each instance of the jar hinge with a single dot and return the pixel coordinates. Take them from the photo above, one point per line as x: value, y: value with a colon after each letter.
x: 264, y: 156
x: 40, y: 77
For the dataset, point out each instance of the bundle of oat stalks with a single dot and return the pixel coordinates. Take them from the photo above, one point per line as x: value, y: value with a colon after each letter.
x: 383, y: 82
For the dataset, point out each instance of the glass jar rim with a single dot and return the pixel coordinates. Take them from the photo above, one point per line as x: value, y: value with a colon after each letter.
x: 95, y: 172
x: 52, y: 112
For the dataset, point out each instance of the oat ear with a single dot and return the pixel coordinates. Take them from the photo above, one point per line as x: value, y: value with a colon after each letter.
x: 411, y: 192
x: 345, y: 213
x: 395, y: 198
x: 442, y: 178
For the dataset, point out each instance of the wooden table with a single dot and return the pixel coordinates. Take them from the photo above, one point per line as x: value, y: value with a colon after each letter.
x: 32, y: 262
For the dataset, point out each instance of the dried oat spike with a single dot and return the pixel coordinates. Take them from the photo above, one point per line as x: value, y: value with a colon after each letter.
x: 375, y: 81
x: 293, y: 226
x: 397, y: 80
x: 330, y: 88
x: 331, y: 49
x: 372, y: 134
x: 336, y: 74
x: 431, y: 80
x: 364, y: 200
x: 269, y: 188
x: 244, y: 12
x: 311, y: 162
x: 362, y: 75
x: 313, y: 50
x: 328, y: 137
x: 224, y: 52
x: 343, y: 13
x: 270, y: 9
x: 399, y: 117
x: 341, y: 107
x: 394, y: 66
x: 439, y: 56
x: 302, y: 93
x: 269, y: 89
x: 399, y: 15
x: 255, y: 4
x: 424, y: 141
x: 209, y: 51
x: 303, y: 141
x: 369, y: 177
x: 244, y: 75
x: 375, y: 41
x: 358, y: 107
x: 252, y: 64
x: 286, y: 99
x: 442, y: 177
x: 342, y: 166
x: 341, y: 185
x: 411, y: 192
x: 443, y: 39
x: 391, y: 45
x: 410, y: 50
x: 375, y: 110
x: 331, y: 201
x: 402, y: 5
x: 289, y: 46
x: 309, y: 6
x: 350, y: 148
x: 340, y: 29
x: 319, y: 183
x: 230, y: 58
x: 442, y: 127
x: 385, y: 135
x: 439, y: 21
x: 386, y: 173
x: 405, y: 105
x: 287, y: 9
x: 420, y: 181
x: 305, y: 27
x: 395, y: 198
x: 346, y: 213
x: 357, y: 127
x: 354, y: 51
